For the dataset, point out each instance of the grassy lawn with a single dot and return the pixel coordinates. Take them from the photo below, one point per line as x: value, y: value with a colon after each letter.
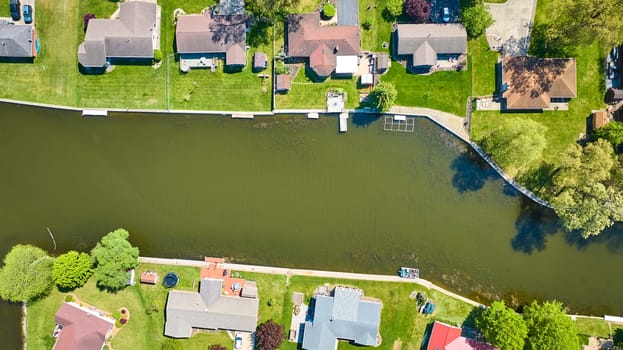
x: 483, y: 62
x: 371, y: 11
x: 146, y: 304
x: 52, y: 76
x: 399, y: 319
x: 306, y: 93
x: 564, y: 127
x: 446, y: 91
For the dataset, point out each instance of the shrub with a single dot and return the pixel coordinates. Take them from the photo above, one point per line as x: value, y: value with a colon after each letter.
x: 87, y: 17
x: 270, y: 302
x: 366, y: 24
x: 124, y: 311
x: 118, y: 324
x: 123, y: 320
x: 419, y: 10
x: 116, y: 314
x: 280, y: 68
x: 269, y: 335
x: 328, y: 10
x: 217, y: 347
x: 157, y: 55
x: 69, y: 298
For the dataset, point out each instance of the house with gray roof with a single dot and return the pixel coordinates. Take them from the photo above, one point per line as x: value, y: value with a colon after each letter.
x: 132, y: 37
x: 17, y: 41
x: 424, y: 45
x: 210, y: 309
x: 199, y: 38
x: 345, y: 314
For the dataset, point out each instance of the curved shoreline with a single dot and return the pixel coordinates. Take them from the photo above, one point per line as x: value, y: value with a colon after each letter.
x: 447, y: 121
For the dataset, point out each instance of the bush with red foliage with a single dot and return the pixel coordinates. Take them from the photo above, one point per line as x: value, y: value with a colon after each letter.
x: 217, y: 347
x: 87, y: 18
x: 123, y: 320
x: 419, y: 10
x: 269, y: 335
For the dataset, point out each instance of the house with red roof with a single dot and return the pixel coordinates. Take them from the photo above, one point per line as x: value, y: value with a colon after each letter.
x: 328, y: 48
x: 446, y: 337
x: 79, y: 328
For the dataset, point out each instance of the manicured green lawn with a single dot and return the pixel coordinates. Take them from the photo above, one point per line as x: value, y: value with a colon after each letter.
x: 483, y: 62
x: 446, y: 91
x: 399, y: 318
x: 146, y: 304
x: 306, y: 93
x: 371, y: 11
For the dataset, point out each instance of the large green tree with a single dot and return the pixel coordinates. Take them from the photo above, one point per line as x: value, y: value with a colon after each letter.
x: 516, y: 145
x: 583, y: 197
x: 113, y: 256
x: 72, y: 269
x: 273, y: 9
x: 26, y: 274
x: 549, y: 327
x: 383, y: 96
x: 476, y: 19
x: 612, y: 132
x: 583, y: 22
x: 503, y: 327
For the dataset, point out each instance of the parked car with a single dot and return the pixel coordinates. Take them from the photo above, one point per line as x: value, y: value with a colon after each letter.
x: 15, y: 10
x: 238, y: 342
x: 446, y: 15
x: 27, y: 14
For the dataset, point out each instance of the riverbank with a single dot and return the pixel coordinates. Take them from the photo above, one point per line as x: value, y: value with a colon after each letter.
x: 146, y: 303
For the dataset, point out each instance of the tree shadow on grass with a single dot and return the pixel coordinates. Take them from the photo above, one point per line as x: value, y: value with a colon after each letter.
x: 533, y: 225
x: 471, y: 172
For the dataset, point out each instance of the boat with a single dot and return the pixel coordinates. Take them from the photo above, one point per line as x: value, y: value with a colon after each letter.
x: 409, y: 272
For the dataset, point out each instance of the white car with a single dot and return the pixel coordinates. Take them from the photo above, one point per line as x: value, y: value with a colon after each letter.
x: 446, y: 15
x: 238, y: 341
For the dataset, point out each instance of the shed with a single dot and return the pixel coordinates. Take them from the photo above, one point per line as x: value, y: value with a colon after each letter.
x: 249, y: 290
x: 149, y: 277
x: 600, y: 118
x: 259, y: 61
x: 283, y: 82
x: 382, y: 62
x: 367, y: 79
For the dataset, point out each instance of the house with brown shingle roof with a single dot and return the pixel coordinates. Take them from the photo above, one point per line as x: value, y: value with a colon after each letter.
x: 80, y: 329
x: 532, y: 83
x: 212, y: 35
x: 327, y: 48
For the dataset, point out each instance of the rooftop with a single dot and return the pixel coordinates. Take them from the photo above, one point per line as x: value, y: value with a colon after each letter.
x: 81, y: 329
x: 531, y: 82
x: 17, y: 40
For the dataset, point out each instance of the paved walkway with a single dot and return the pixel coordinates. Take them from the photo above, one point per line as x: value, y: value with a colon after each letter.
x: 510, y: 34
x: 452, y: 123
x: 309, y: 273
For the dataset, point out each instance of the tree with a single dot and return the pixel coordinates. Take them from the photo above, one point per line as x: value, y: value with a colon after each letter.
x: 476, y: 19
x: 383, y: 96
x: 612, y: 132
x: 419, y: 10
x: 113, y: 256
x: 328, y: 10
x: 583, y: 198
x: 72, y: 269
x: 582, y: 22
x: 269, y: 335
x: 26, y: 273
x: 516, y: 144
x: 394, y: 7
x: 273, y: 9
x: 503, y: 327
x: 549, y: 327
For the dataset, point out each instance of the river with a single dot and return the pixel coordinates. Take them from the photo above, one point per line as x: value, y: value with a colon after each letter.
x: 291, y: 192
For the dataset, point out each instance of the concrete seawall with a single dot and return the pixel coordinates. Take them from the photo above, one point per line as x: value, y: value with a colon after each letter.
x: 309, y: 273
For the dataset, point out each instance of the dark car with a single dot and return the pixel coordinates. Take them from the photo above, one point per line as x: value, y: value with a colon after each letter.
x: 27, y: 14
x: 15, y: 12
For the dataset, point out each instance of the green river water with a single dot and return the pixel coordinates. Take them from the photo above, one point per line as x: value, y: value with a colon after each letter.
x: 291, y: 192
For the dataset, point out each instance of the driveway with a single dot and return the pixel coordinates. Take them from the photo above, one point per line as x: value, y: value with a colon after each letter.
x: 510, y: 34
x: 436, y: 9
x: 248, y: 340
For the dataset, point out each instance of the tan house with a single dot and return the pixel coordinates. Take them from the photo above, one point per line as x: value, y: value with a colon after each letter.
x: 532, y: 83
x: 199, y: 38
x: 132, y: 37
x: 327, y: 48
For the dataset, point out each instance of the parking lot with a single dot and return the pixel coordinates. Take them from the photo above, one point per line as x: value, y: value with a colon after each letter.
x: 436, y: 10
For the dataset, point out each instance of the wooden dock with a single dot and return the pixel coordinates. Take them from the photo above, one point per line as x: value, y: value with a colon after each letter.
x: 242, y: 116
x: 94, y: 113
x: 343, y: 122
